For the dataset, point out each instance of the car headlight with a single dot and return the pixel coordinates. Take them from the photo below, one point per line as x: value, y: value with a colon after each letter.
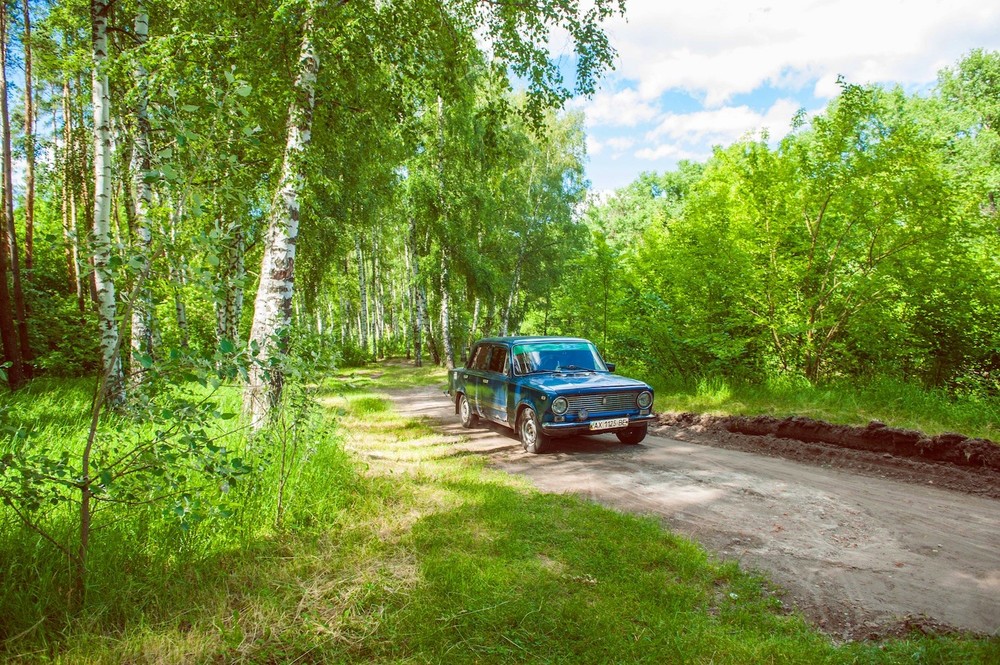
x: 644, y: 399
x: 560, y: 406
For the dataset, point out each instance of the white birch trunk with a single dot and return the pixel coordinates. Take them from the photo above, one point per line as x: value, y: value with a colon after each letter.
x: 419, y: 301
x: 449, y: 351
x: 512, y: 297
x: 273, y: 306
x: 114, y: 392
x: 473, y: 336
x: 230, y: 306
x: 142, y: 339
x: 363, y: 290
x: 178, y: 280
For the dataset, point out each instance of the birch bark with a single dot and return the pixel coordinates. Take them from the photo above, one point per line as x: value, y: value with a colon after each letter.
x: 114, y: 392
x: 419, y: 301
x: 231, y: 301
x: 273, y: 305
x: 69, y: 202
x: 512, y: 296
x: 363, y: 290
x: 449, y: 351
x: 142, y: 338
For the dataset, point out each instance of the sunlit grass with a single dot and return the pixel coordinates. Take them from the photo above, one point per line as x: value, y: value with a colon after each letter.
x: 895, y: 403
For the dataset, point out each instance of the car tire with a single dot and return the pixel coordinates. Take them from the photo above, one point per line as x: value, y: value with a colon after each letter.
x: 632, y: 435
x: 469, y: 419
x: 529, y: 430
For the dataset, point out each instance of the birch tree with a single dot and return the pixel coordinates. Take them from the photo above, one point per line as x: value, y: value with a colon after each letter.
x: 142, y: 193
x: 273, y: 305
x: 107, y: 311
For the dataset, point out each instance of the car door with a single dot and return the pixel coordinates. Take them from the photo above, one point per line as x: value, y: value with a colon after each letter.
x: 474, y: 376
x: 495, y: 390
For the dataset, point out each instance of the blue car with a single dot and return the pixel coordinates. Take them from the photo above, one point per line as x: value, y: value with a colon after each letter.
x: 544, y: 387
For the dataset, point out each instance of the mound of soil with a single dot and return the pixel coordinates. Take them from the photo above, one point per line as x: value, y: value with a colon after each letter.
x: 952, y: 461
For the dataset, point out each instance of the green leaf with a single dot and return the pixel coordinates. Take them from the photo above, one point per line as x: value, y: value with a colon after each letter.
x: 243, y: 89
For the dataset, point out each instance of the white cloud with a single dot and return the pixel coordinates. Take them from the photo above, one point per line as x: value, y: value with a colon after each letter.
x: 725, y: 125
x: 671, y: 152
x: 620, y: 143
x: 715, y: 49
x: 620, y: 109
x: 694, y: 75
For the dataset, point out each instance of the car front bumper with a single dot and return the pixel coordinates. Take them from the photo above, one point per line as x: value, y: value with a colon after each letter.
x: 583, y: 427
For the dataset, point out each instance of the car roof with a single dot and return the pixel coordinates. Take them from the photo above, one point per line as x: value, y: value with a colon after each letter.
x: 521, y: 339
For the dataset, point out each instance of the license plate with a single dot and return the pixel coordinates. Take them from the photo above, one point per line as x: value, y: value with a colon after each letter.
x: 608, y: 424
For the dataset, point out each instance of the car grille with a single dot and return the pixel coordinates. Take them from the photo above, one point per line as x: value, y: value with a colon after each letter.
x: 601, y: 403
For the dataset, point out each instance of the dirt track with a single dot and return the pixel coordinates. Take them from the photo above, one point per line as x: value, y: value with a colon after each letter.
x: 859, y: 555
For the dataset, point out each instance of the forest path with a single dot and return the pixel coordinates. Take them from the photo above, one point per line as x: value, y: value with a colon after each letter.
x: 859, y: 556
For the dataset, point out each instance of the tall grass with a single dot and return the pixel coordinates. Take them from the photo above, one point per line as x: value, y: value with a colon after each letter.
x: 147, y: 561
x: 889, y: 400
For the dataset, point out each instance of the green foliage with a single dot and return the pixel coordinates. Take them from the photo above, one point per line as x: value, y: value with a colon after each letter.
x: 863, y: 244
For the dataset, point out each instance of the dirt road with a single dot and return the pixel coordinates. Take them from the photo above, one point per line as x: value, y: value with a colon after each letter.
x: 859, y: 556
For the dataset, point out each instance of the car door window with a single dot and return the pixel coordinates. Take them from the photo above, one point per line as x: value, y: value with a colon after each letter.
x: 480, y: 357
x: 498, y: 360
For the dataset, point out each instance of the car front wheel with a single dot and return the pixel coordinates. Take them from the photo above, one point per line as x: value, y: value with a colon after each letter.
x: 529, y: 430
x: 469, y: 419
x: 632, y: 435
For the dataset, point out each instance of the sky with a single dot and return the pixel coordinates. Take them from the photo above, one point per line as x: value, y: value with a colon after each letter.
x: 692, y: 74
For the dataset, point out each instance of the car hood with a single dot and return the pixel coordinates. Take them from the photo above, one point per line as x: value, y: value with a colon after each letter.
x: 583, y: 382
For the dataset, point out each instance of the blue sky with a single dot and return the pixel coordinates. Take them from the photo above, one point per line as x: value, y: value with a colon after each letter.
x: 691, y: 75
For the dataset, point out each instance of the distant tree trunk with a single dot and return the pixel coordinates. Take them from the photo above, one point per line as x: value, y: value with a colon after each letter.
x: 449, y: 351
x: 475, y: 321
x: 363, y: 290
x: 419, y: 301
x: 408, y: 302
x: 69, y: 202
x: 8, y: 328
x: 178, y: 280
x: 273, y: 306
x: 142, y: 336
x: 10, y: 230
x: 230, y: 306
x: 29, y: 148
x: 512, y: 297
x: 429, y: 333
x: 378, y: 295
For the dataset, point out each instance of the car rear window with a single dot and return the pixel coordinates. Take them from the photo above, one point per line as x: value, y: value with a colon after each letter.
x: 498, y: 359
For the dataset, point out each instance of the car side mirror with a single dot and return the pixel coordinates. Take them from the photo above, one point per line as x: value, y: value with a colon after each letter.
x: 611, y: 366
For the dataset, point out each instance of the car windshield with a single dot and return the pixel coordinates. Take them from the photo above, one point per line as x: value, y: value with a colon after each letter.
x: 557, y: 357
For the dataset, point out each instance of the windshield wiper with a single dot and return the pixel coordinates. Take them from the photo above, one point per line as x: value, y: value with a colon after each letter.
x: 577, y: 368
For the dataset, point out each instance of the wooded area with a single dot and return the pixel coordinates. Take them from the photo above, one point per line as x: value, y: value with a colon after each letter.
x: 179, y: 146
x: 372, y: 185
x: 216, y: 198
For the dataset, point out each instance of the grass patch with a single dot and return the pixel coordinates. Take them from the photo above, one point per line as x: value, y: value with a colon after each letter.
x: 893, y: 402
x: 396, y: 548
